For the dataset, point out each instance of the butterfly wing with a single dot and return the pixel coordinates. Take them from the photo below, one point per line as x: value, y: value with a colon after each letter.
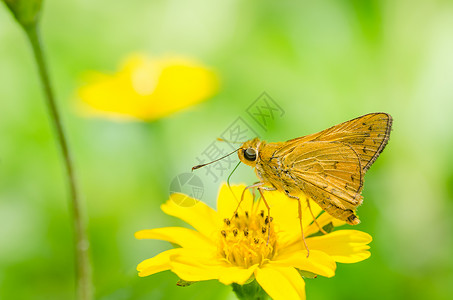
x: 367, y: 135
x: 327, y: 172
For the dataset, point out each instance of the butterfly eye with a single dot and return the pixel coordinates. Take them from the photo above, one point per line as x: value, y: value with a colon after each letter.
x: 250, y: 154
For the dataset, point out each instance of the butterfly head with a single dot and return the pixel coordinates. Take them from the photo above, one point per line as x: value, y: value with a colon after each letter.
x: 248, y: 153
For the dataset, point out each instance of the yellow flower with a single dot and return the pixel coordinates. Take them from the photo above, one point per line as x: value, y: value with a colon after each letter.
x: 245, y: 247
x: 148, y: 89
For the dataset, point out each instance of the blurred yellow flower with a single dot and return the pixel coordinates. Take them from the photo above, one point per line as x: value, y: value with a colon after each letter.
x: 240, y: 250
x: 148, y: 89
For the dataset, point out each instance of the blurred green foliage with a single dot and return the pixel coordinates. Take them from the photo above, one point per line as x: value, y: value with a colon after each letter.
x: 323, y: 62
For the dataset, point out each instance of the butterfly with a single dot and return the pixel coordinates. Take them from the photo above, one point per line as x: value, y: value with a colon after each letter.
x: 327, y: 167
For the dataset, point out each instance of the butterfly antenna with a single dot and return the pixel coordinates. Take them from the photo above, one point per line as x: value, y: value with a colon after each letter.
x: 231, y: 142
x: 202, y: 165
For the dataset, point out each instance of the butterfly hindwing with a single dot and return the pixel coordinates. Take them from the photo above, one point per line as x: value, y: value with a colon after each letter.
x: 328, y: 171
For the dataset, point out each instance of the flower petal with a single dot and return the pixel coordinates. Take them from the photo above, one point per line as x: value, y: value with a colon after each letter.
x: 189, y: 267
x: 156, y: 264
x: 195, y: 83
x: 285, y: 212
x: 228, y: 200
x: 282, y: 206
x: 281, y: 283
x: 318, y: 262
x: 144, y: 87
x: 192, y: 266
x: 236, y: 274
x: 345, y: 246
x: 184, y: 237
x: 323, y: 220
x: 203, y: 218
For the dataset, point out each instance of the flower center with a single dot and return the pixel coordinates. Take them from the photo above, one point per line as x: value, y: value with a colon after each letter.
x: 246, y: 240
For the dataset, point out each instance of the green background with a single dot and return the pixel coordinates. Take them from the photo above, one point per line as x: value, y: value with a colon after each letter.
x: 323, y: 63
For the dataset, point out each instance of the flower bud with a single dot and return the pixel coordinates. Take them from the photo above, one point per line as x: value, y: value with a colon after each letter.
x: 26, y: 12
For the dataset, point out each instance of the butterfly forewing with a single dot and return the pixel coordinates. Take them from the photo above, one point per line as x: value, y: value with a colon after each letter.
x: 367, y: 135
x: 330, y: 173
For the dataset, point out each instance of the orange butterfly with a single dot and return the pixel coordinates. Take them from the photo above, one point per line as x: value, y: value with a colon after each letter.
x: 327, y: 166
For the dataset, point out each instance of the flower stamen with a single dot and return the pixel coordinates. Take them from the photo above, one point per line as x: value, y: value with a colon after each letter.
x: 247, y: 239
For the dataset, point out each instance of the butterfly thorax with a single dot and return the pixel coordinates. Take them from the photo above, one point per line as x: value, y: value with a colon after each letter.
x: 272, y: 169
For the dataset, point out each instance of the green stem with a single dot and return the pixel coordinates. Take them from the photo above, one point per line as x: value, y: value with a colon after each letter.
x: 83, y: 267
x: 250, y: 291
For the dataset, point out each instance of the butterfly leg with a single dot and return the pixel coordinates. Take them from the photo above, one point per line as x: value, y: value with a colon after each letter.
x: 264, y: 188
x: 268, y: 218
x: 300, y: 220
x: 314, y: 219
x: 268, y: 188
x: 302, y: 227
x: 242, y: 196
x: 253, y: 194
